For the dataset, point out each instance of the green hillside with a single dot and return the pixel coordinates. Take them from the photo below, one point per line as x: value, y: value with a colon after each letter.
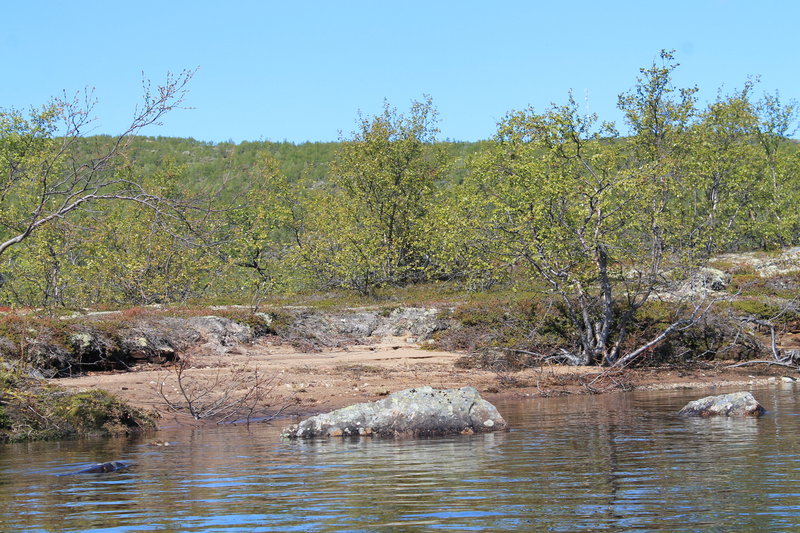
x: 207, y: 165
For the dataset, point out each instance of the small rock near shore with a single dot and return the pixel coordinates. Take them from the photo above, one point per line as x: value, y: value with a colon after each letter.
x: 418, y: 412
x: 102, y: 468
x: 734, y: 404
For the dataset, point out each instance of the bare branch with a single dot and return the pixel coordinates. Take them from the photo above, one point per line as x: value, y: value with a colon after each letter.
x: 57, y: 184
x: 229, y: 395
x: 699, y: 310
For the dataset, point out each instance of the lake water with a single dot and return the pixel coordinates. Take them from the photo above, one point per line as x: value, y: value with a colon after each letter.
x: 621, y: 462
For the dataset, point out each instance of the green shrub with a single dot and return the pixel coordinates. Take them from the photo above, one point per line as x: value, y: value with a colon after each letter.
x: 30, y: 411
x: 756, y: 308
x: 496, y: 328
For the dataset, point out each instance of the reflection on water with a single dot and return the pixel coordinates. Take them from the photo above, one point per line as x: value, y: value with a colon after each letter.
x: 615, y: 462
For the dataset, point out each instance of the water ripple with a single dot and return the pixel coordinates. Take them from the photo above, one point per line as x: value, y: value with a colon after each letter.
x: 618, y: 463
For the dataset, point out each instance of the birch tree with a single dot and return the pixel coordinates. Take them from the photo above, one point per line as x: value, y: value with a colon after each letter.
x: 43, y: 176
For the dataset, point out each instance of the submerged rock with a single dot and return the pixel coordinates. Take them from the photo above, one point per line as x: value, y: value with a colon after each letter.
x: 102, y: 468
x: 734, y: 404
x: 418, y: 412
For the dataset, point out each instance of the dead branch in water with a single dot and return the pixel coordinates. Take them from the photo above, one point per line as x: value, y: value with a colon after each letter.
x: 230, y: 394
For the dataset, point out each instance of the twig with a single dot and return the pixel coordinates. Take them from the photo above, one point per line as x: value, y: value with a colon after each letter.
x: 222, y: 398
x: 770, y: 363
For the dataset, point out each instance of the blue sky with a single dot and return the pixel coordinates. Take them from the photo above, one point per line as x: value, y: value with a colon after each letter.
x: 301, y: 70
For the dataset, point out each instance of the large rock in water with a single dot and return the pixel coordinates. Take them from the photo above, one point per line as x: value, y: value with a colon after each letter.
x: 419, y: 412
x: 734, y: 404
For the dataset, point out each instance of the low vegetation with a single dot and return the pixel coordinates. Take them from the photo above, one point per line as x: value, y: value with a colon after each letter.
x: 30, y: 409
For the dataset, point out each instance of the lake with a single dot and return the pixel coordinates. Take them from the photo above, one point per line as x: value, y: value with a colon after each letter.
x: 616, y: 462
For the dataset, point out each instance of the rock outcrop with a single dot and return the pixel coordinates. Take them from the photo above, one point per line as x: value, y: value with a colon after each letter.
x: 765, y: 265
x: 418, y: 412
x: 160, y: 339
x: 708, y: 278
x: 310, y: 329
x: 417, y: 322
x: 734, y: 404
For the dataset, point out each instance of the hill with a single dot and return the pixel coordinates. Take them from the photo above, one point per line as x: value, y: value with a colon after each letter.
x: 207, y: 165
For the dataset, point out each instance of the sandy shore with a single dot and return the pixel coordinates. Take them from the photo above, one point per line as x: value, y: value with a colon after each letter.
x: 309, y: 383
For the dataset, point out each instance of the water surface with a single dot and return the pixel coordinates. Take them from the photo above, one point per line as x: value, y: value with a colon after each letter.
x: 621, y: 462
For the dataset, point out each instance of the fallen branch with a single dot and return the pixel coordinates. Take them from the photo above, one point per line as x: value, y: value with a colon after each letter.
x: 226, y: 396
x: 770, y: 363
x: 780, y: 359
x: 562, y: 356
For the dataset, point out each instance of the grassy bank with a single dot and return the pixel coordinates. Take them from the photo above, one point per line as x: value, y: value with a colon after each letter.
x: 30, y: 409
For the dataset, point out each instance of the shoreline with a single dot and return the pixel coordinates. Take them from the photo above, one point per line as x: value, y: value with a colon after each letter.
x: 304, y: 384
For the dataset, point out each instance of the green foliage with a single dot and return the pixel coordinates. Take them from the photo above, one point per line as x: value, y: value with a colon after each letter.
x: 45, y: 180
x: 561, y: 194
x: 27, y: 151
x: 262, y: 233
x: 557, y: 201
x: 658, y: 114
x: 31, y: 410
x: 764, y: 310
x: 135, y: 256
x: 126, y: 253
x: 599, y: 217
x: 261, y: 200
x: 207, y: 164
x: 93, y: 411
x: 371, y: 227
x: 525, y: 324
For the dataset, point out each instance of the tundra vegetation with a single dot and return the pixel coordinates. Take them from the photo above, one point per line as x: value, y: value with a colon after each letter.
x: 571, y: 239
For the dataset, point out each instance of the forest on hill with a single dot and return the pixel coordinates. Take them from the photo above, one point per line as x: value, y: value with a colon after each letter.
x: 204, y: 165
x: 559, y: 204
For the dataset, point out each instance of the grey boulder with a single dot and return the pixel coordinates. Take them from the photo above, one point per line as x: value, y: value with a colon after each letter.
x: 418, y: 412
x: 734, y: 404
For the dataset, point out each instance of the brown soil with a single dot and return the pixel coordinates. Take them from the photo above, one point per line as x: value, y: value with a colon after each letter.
x: 318, y: 382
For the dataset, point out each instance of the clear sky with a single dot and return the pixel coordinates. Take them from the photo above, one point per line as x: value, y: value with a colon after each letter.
x: 301, y: 70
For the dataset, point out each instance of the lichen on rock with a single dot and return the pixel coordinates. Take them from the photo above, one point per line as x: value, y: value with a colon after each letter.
x: 417, y: 412
x: 733, y: 404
